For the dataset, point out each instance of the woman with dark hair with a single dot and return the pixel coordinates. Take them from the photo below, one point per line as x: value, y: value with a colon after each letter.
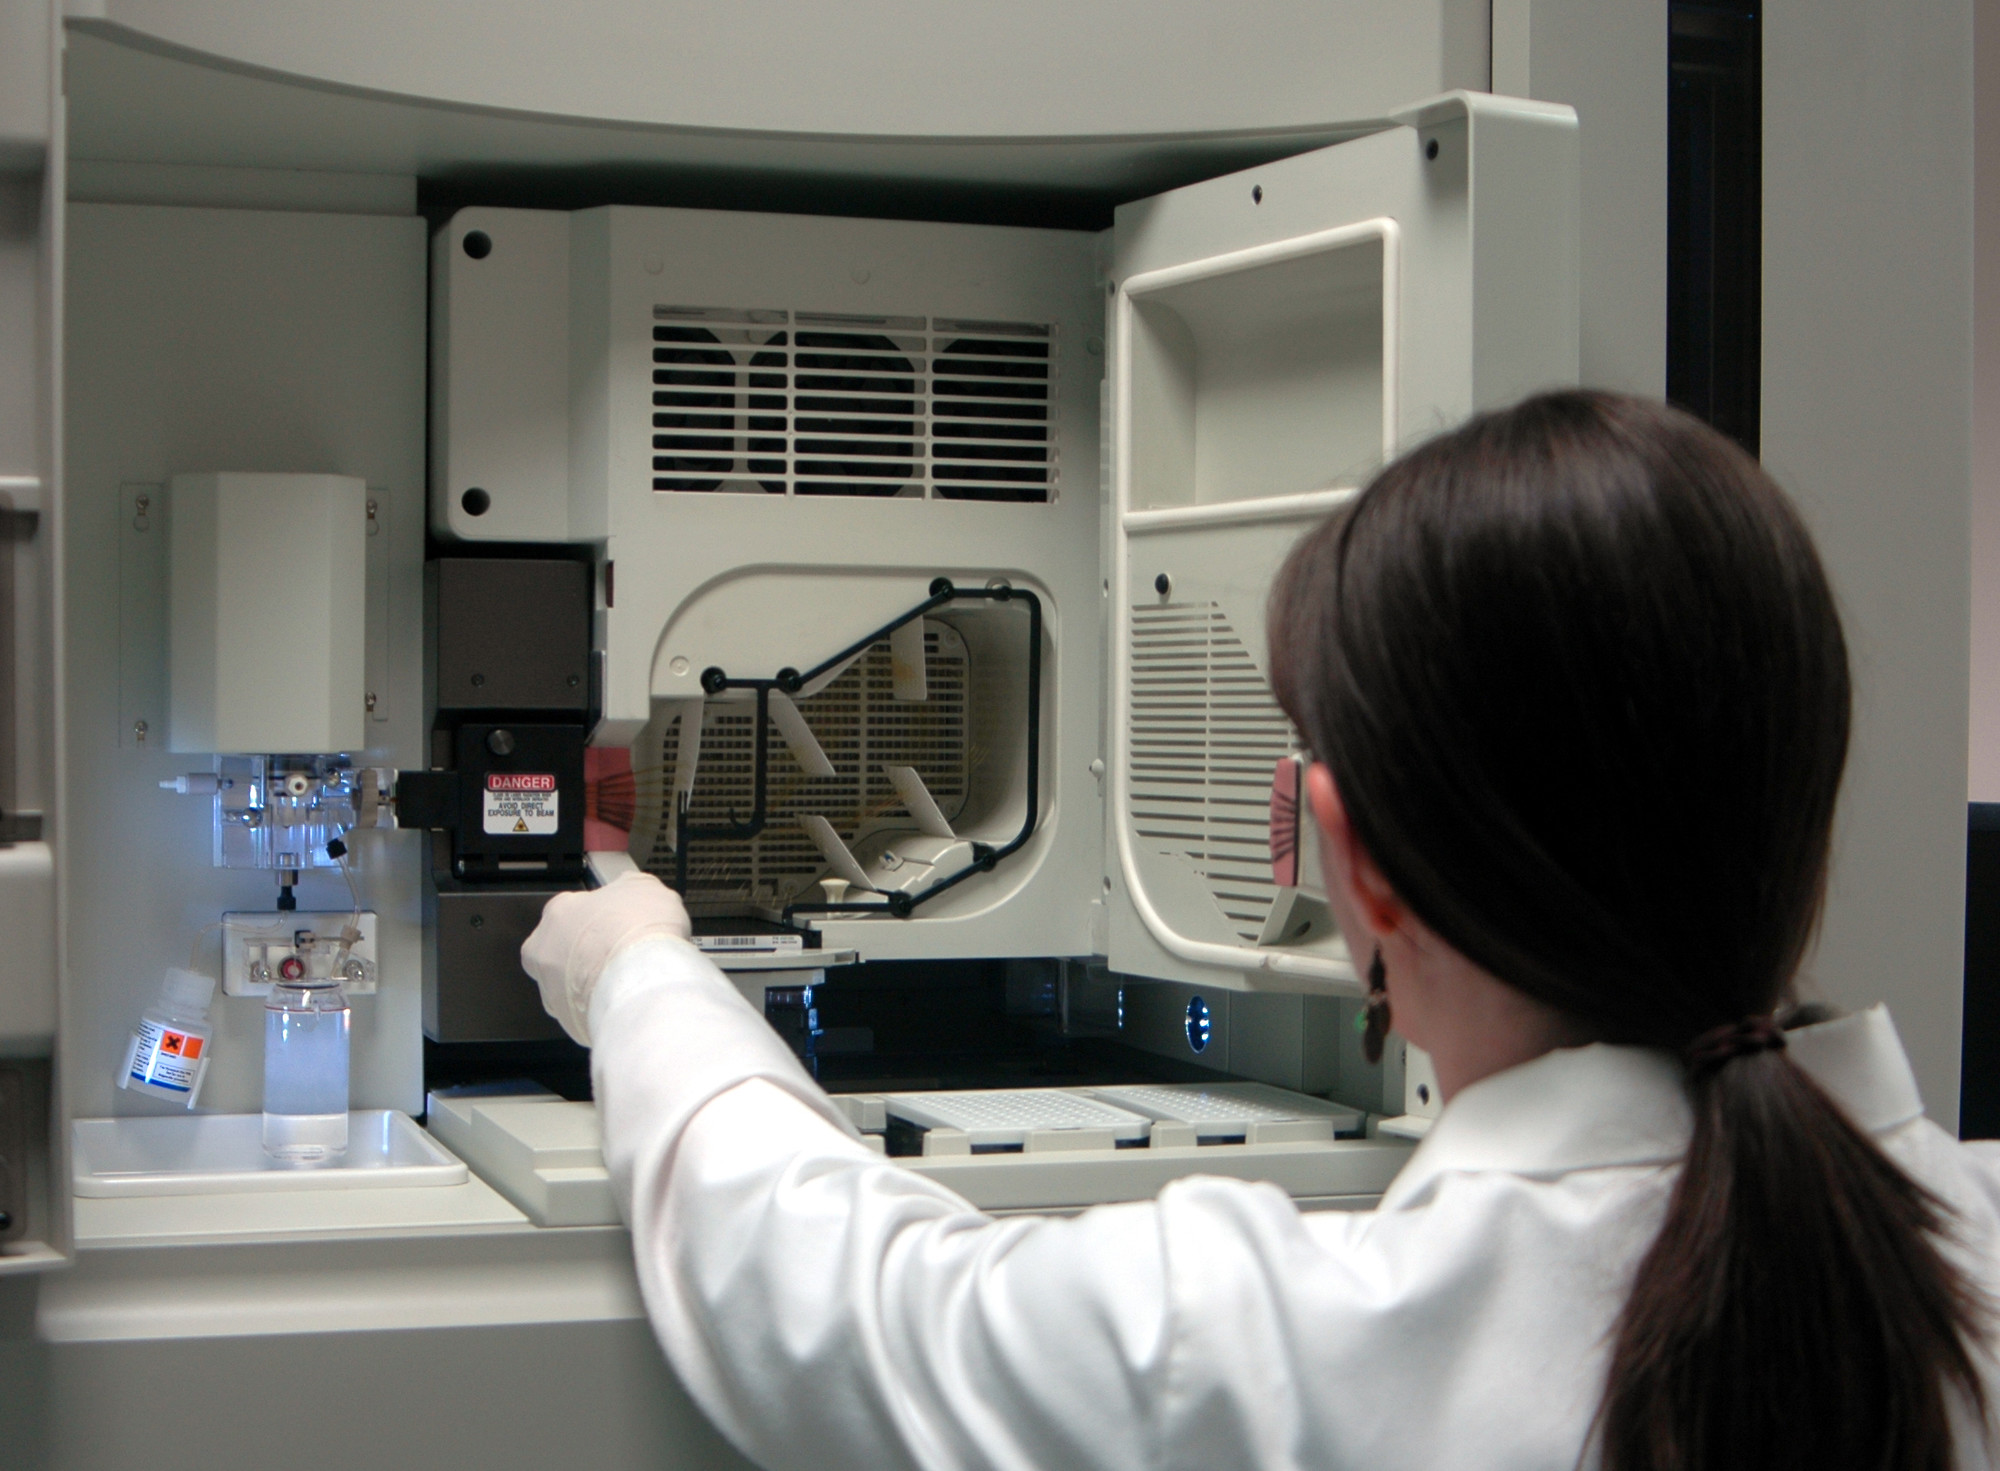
x: 1579, y: 697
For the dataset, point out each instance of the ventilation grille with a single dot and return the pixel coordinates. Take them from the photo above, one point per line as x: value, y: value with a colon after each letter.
x: 863, y: 729
x: 824, y: 403
x: 1206, y: 734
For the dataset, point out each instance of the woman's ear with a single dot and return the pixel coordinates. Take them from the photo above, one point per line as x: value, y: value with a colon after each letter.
x: 1350, y: 873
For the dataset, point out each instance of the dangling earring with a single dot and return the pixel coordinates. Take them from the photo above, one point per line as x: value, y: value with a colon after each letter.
x: 1378, y: 1010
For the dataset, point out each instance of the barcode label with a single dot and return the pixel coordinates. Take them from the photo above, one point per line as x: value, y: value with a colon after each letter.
x: 771, y: 943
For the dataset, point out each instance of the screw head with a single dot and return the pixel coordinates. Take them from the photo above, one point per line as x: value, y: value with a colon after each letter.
x: 479, y: 921
x: 1257, y: 194
x: 1163, y: 584
x: 500, y: 742
x: 1431, y: 149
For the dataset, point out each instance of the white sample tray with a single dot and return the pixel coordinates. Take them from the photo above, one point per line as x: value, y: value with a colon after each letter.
x: 1000, y: 1117
x: 223, y: 1153
x: 1253, y: 1112
x: 544, y: 1155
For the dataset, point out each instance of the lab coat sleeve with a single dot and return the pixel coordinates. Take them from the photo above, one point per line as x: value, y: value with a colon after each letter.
x: 828, y: 1308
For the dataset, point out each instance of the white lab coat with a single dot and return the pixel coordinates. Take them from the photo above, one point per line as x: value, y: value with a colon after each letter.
x: 829, y: 1309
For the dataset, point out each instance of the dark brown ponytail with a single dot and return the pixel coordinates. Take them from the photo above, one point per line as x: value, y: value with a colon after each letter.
x: 1580, y: 679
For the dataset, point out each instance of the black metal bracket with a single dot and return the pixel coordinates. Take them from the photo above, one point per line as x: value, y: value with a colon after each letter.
x: 790, y: 681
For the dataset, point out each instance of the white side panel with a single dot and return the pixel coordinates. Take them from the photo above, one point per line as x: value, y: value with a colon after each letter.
x: 1867, y: 416
x: 1608, y: 60
x: 1276, y: 335
x: 500, y: 321
x: 33, y: 163
x: 291, y: 342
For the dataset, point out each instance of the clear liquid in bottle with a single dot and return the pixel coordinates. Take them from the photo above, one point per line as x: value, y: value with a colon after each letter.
x: 305, y: 1072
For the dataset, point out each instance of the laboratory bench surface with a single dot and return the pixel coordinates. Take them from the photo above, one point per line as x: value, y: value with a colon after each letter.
x: 433, y: 1325
x: 462, y: 1255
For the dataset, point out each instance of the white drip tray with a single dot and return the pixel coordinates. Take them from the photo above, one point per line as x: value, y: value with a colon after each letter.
x: 223, y: 1153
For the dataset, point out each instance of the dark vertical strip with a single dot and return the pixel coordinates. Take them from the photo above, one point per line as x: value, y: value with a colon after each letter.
x: 1979, y: 1060
x: 15, y: 526
x: 1715, y: 215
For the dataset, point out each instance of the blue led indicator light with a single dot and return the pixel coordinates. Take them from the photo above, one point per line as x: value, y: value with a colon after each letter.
x: 1199, y: 1023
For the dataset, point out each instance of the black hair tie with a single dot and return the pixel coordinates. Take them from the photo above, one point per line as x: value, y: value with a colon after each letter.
x: 1732, y: 1040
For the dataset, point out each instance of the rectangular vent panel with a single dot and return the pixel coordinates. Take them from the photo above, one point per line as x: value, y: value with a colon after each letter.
x: 863, y: 728
x: 780, y: 402
x: 1206, y: 734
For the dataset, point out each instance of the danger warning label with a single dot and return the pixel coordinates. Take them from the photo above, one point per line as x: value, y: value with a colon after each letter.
x: 521, y: 803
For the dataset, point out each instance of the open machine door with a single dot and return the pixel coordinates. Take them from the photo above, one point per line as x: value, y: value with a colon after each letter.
x: 1275, y: 336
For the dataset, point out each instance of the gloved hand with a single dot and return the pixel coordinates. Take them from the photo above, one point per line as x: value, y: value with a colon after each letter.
x: 581, y: 931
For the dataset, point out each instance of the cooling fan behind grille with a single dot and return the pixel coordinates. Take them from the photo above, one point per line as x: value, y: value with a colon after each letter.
x: 833, y: 404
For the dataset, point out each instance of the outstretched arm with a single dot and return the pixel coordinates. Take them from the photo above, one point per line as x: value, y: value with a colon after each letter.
x: 826, y: 1307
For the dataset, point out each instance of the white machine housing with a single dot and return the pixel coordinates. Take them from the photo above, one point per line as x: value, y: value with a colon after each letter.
x: 267, y: 604
x: 1224, y: 367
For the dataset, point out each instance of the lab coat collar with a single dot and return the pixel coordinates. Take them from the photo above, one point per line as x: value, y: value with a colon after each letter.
x: 1581, y: 1108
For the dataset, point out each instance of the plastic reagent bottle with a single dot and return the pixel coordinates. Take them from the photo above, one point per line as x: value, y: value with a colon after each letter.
x: 305, y: 1070
x: 169, y: 1054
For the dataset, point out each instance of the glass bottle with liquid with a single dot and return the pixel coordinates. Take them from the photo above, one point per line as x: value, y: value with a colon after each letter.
x: 305, y: 1069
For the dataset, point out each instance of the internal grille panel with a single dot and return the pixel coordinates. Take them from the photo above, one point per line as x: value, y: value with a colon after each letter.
x: 1206, y: 734
x: 782, y: 402
x: 863, y: 729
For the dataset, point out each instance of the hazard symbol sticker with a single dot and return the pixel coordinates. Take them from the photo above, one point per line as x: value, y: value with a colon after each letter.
x: 520, y: 803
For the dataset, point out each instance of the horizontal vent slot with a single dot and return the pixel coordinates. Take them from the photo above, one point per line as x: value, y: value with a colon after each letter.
x: 775, y: 402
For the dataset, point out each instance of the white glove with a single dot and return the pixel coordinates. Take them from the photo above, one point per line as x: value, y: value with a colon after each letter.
x: 580, y: 932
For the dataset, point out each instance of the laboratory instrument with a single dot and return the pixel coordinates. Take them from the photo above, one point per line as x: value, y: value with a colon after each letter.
x: 891, y: 586
x: 868, y: 663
